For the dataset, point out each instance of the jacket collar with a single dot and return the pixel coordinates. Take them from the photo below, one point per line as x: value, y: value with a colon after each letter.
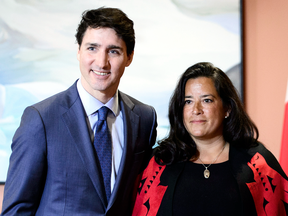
x: 75, y: 117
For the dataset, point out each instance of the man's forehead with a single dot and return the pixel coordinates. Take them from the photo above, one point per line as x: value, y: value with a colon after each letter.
x: 107, y: 33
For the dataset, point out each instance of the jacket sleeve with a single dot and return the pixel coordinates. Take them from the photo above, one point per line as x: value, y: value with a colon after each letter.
x: 270, y: 185
x: 153, y: 134
x: 262, y: 183
x: 27, y: 168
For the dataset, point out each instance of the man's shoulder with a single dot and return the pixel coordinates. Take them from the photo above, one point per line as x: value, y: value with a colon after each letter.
x: 127, y: 98
x: 133, y: 102
x: 63, y: 99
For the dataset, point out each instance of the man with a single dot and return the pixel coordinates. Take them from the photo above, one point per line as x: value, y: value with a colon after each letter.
x: 55, y: 167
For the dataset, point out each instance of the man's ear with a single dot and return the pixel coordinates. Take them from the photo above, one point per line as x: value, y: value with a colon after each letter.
x: 130, y: 58
x: 78, y: 52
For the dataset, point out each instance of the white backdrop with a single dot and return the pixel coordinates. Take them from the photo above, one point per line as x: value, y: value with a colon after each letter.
x: 38, y: 51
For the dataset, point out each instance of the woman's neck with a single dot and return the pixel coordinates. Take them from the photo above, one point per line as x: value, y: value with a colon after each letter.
x: 216, y: 151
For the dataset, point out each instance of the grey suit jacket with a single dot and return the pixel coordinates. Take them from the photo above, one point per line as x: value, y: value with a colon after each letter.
x: 53, y: 168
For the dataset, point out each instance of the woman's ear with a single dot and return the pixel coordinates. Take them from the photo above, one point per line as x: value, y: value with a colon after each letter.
x: 227, y: 113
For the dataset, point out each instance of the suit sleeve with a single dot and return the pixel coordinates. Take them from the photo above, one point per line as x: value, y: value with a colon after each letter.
x: 153, y: 131
x: 152, y: 139
x: 27, y: 168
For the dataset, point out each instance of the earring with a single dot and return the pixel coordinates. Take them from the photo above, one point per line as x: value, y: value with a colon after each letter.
x: 226, y: 116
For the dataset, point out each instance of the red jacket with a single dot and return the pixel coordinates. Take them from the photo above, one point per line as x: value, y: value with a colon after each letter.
x: 262, y: 184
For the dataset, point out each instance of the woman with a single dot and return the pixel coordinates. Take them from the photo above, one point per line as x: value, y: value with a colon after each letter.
x: 211, y: 163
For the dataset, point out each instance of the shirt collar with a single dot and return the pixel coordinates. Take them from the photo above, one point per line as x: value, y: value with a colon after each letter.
x: 91, y: 104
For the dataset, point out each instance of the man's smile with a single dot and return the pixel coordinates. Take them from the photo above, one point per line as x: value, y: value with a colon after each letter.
x: 100, y: 73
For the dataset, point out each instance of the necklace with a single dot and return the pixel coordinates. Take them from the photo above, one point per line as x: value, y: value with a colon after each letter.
x: 206, y: 171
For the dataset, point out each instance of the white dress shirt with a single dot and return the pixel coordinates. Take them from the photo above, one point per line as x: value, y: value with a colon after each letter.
x: 114, y: 121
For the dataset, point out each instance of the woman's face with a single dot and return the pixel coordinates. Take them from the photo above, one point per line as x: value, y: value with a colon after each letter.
x: 203, y: 112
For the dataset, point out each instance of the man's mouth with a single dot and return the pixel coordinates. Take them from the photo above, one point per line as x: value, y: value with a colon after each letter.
x: 100, y: 73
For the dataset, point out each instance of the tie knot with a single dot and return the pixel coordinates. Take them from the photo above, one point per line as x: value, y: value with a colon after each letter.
x: 102, y: 113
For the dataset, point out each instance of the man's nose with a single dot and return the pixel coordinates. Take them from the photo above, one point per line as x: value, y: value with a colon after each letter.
x: 102, y: 59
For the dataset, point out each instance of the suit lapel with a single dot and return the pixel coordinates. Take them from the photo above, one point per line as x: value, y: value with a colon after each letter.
x: 75, y: 120
x: 131, y: 124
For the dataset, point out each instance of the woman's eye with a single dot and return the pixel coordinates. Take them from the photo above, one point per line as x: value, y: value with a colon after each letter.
x: 208, y: 100
x: 187, y: 101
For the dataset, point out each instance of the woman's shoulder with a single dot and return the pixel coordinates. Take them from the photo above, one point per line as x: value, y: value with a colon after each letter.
x: 256, y: 155
x: 254, y: 148
x: 246, y: 154
x: 154, y: 166
x: 261, y: 149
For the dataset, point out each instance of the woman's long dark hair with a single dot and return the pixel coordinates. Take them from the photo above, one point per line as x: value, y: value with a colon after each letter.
x: 238, y: 129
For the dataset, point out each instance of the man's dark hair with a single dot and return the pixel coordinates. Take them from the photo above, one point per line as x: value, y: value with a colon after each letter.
x: 112, y: 18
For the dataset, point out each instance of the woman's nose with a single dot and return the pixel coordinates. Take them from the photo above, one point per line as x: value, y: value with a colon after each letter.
x: 197, y: 109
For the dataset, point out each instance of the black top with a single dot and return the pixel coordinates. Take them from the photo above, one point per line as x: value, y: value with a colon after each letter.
x: 217, y: 195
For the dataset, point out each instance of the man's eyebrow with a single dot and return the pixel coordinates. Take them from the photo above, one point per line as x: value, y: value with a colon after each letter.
x: 115, y: 47
x: 92, y: 44
x: 109, y: 47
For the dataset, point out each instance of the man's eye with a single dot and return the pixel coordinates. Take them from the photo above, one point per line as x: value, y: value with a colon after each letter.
x: 114, y: 52
x: 91, y: 48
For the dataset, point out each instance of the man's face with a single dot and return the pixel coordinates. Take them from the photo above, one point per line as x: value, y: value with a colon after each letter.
x: 102, y: 58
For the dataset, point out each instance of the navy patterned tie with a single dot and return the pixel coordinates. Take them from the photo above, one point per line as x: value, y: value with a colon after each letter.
x: 103, y: 146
